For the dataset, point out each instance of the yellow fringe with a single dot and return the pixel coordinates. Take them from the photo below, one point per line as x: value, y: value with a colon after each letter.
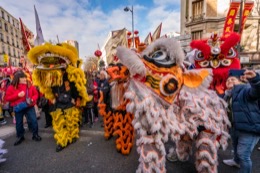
x: 66, y: 125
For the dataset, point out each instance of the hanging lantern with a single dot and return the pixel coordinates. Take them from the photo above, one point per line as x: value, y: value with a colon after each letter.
x: 98, y: 53
x: 136, y: 32
x: 129, y: 33
x: 115, y: 58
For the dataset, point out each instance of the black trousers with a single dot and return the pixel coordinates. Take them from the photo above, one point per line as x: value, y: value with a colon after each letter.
x: 48, y: 118
x: 95, y: 109
x: 88, y: 115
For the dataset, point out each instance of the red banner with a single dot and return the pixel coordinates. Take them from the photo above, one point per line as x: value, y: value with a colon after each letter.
x: 247, y: 10
x: 230, y: 20
x: 26, y: 44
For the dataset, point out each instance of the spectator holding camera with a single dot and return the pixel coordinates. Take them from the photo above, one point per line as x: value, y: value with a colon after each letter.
x: 22, y: 95
x: 244, y: 113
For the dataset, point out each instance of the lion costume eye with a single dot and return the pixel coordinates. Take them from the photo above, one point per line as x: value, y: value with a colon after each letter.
x: 168, y: 85
x: 199, y: 56
x: 160, y: 59
x: 231, y: 53
x: 204, y: 63
x: 226, y: 62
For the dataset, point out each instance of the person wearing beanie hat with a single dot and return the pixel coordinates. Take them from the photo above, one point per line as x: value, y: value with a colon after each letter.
x: 244, y: 114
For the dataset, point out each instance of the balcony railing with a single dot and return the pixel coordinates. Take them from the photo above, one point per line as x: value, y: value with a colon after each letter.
x: 197, y: 17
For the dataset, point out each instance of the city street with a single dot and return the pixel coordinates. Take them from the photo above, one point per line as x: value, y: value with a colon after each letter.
x: 91, y: 154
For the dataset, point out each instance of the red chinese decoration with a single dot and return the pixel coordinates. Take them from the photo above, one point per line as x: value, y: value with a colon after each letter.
x: 115, y: 58
x: 98, y: 53
x: 129, y: 33
x: 136, y: 32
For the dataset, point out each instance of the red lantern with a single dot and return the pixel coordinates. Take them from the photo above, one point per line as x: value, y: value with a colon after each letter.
x: 129, y: 33
x: 115, y: 58
x: 98, y: 53
x: 136, y: 32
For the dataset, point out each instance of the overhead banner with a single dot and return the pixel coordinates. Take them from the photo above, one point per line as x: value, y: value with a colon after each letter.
x: 247, y: 10
x: 231, y: 16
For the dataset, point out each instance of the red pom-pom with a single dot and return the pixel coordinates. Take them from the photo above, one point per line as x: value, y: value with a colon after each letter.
x: 98, y: 53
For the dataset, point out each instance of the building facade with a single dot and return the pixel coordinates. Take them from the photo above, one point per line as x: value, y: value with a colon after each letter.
x: 10, y: 39
x: 200, y: 18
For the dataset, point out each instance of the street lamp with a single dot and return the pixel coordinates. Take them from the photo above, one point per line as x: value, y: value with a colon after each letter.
x: 126, y: 9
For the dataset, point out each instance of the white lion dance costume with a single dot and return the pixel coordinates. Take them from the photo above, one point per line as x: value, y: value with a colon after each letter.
x: 2, y: 151
x: 168, y: 101
x: 57, y: 66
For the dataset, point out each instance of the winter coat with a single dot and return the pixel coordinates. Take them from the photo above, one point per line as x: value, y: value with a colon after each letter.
x: 245, y: 108
x: 11, y: 94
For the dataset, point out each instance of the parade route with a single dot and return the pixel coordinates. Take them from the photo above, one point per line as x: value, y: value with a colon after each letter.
x: 91, y: 153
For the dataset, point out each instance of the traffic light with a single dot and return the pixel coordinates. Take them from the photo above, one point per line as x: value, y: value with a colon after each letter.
x: 6, y: 58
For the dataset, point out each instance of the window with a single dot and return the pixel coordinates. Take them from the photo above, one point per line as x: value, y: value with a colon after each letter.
x: 3, y: 48
x: 12, y: 41
x: 7, y: 39
x: 0, y: 24
x: 8, y: 19
x: 196, y: 35
x: 17, y: 45
x: 197, y: 10
x: 1, y: 37
x: 3, y: 15
x: 9, y: 51
x: 6, y: 27
x: 14, y: 52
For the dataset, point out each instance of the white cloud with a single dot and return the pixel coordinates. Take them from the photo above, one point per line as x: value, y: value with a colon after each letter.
x: 77, y: 20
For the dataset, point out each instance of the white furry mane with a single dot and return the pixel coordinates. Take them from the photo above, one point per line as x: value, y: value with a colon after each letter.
x: 172, y: 47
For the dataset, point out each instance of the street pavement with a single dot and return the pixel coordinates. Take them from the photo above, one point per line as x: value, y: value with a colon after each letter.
x: 90, y: 154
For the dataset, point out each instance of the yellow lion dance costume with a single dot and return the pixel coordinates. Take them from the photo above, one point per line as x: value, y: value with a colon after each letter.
x: 59, y: 77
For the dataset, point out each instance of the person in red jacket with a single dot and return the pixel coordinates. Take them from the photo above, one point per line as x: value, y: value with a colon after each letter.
x: 17, y: 93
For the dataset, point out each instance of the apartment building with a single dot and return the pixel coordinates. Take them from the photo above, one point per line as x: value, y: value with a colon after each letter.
x: 200, y: 18
x: 10, y: 38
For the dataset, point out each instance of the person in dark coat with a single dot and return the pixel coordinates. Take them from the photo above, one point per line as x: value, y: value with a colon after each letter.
x: 88, y: 109
x: 244, y: 113
x: 103, y: 85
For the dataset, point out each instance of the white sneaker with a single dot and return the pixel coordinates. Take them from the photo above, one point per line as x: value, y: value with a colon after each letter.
x: 231, y: 162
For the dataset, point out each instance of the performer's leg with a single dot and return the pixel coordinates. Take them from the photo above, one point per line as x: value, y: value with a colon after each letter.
x: 72, y: 124
x: 59, y: 127
x: 206, y: 153
x: 184, y: 148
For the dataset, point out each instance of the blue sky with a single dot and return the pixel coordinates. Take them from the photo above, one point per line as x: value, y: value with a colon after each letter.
x: 90, y: 21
